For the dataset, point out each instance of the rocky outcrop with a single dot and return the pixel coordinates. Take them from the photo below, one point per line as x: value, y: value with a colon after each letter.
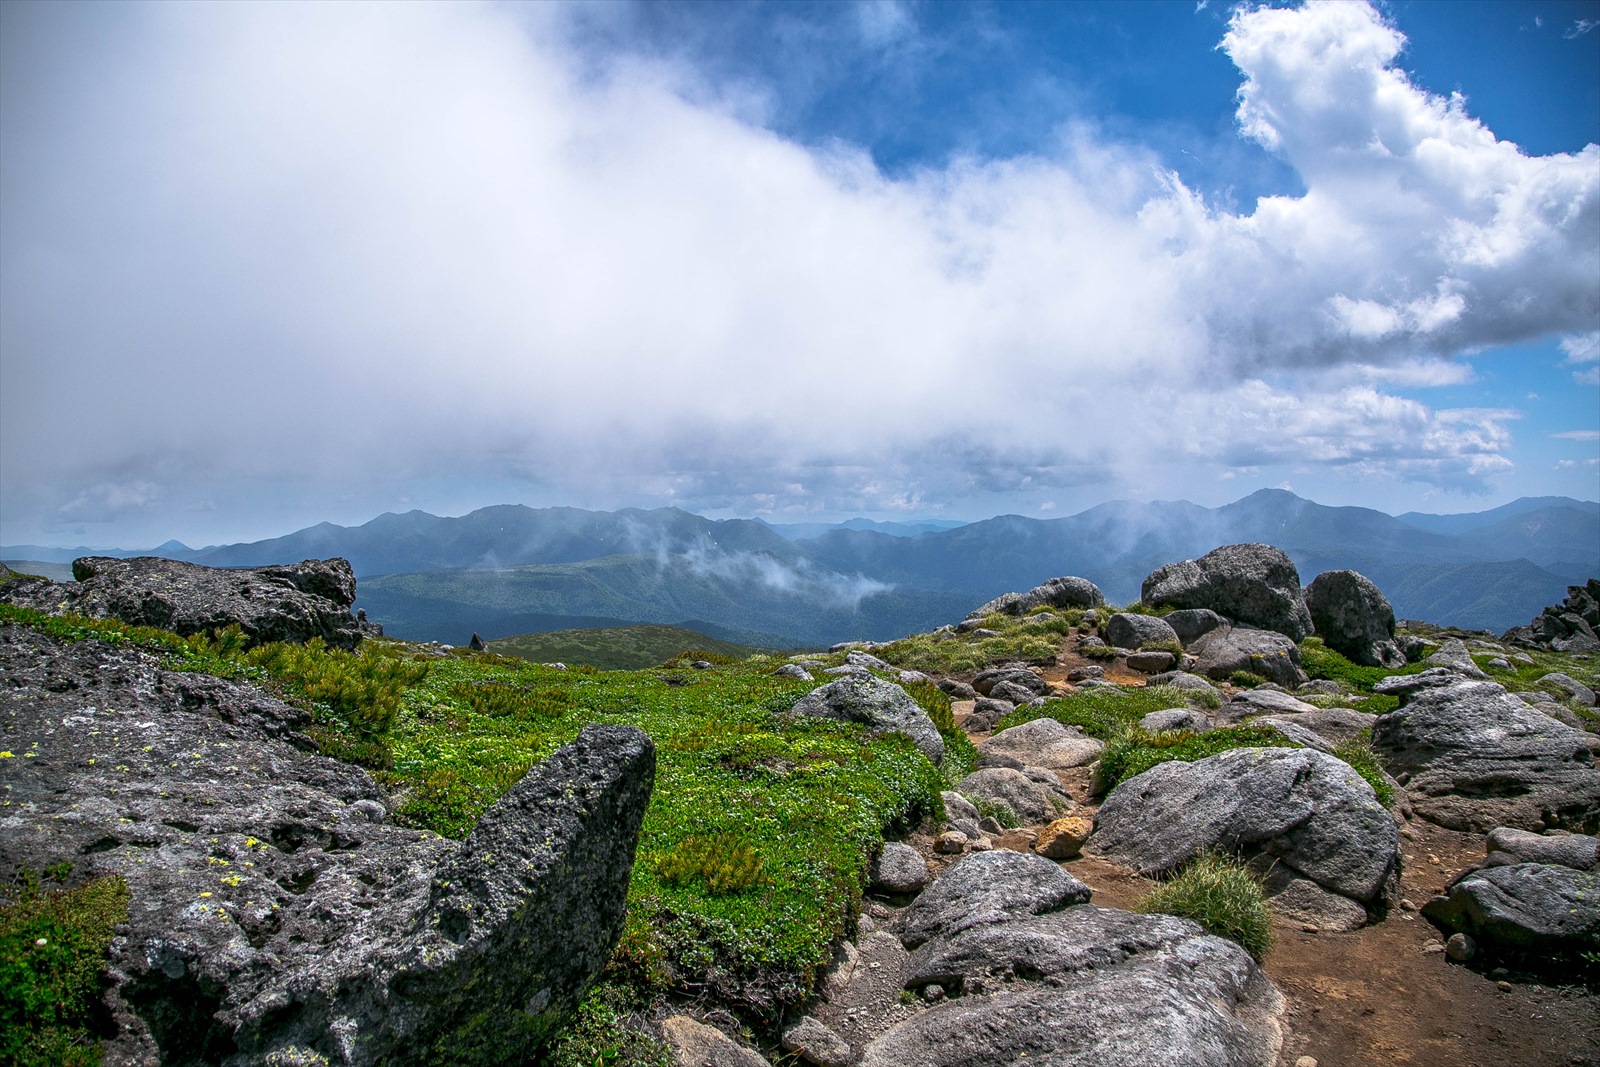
x: 882, y: 707
x: 1033, y: 795
x: 1310, y: 811
x: 1253, y: 584
x: 275, y: 911
x: 1354, y: 618
x: 1266, y: 653
x: 1529, y: 910
x: 1473, y: 757
x: 288, y: 603
x: 1041, y: 976
x: 1571, y: 626
x: 1070, y: 592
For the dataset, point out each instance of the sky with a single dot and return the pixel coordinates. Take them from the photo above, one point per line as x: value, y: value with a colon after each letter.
x: 266, y: 265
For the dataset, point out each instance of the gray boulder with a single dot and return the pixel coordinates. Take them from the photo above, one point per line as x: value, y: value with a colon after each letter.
x: 1454, y: 655
x: 1271, y: 655
x: 1528, y: 908
x: 288, y: 603
x: 694, y: 1044
x: 986, y: 712
x: 1067, y: 592
x: 1044, y: 743
x: 986, y: 680
x: 275, y: 908
x: 1253, y: 584
x: 882, y: 707
x: 1508, y: 845
x: 1473, y: 757
x: 1130, y: 630
x: 1332, y: 725
x: 1571, y: 687
x: 899, y: 868
x: 1190, y: 623
x: 1175, y: 719
x: 957, y: 690
x: 988, y: 887
x: 1183, y: 680
x: 1305, y: 901
x: 1011, y: 693
x: 793, y: 670
x: 1152, y: 661
x: 1570, y: 626
x: 1354, y: 618
x: 1034, y: 799
x: 1263, y: 702
x: 1311, y: 811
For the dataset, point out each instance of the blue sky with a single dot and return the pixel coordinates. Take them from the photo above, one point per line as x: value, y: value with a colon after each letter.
x: 266, y: 265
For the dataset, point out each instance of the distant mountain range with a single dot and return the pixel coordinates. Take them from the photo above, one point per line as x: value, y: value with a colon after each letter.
x: 510, y: 569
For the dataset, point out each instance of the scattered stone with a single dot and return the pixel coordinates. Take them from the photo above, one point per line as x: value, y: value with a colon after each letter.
x: 1263, y: 702
x: 899, y: 868
x: 1083, y: 674
x: 1011, y: 693
x: 1574, y: 689
x: 1175, y: 719
x: 1460, y: 948
x: 1033, y: 799
x: 1535, y: 909
x: 476, y: 644
x: 857, y: 658
x: 1130, y: 630
x: 951, y: 842
x: 1253, y: 584
x: 815, y: 1043
x: 1151, y: 662
x: 986, y: 713
x: 1190, y: 623
x: 1063, y: 838
x: 1308, y: 809
x: 1472, y: 757
x: 1332, y: 725
x: 1453, y: 655
x: 793, y: 670
x: 1044, y: 743
x: 1566, y: 627
x: 957, y: 690
x: 288, y: 603
x: 1354, y: 618
x: 1508, y: 845
x: 1183, y: 680
x: 1306, y: 901
x: 986, y: 680
x: 883, y: 707
x: 695, y: 1044
x: 1225, y: 650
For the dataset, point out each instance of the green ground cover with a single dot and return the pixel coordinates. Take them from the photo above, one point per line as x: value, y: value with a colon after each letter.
x: 616, y: 648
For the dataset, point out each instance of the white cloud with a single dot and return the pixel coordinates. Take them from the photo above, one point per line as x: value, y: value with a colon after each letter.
x: 1579, y: 27
x: 301, y: 248
x: 1578, y: 435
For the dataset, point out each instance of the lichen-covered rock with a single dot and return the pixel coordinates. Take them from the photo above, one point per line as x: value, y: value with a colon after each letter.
x: 1354, y: 618
x: 1044, y: 743
x: 1508, y: 845
x: 1128, y: 629
x: 882, y: 707
x: 1253, y: 584
x: 1473, y: 757
x: 1033, y: 798
x: 1528, y: 908
x: 1308, y: 809
x: 987, y: 887
x: 899, y: 868
x: 1221, y: 652
x: 288, y: 603
x: 272, y: 904
x: 986, y: 680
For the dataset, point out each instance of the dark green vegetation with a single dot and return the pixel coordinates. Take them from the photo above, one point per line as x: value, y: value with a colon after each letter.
x: 616, y: 648
x: 1104, y: 712
x: 1219, y: 895
x: 52, y: 945
x: 754, y: 852
x: 1035, y: 638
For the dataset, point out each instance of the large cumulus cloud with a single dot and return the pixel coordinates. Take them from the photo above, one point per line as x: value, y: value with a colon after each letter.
x: 314, y: 254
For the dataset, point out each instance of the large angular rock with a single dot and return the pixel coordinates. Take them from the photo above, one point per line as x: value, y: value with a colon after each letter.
x: 1570, y: 626
x: 1253, y: 584
x: 1226, y: 649
x: 1308, y: 809
x: 1528, y: 908
x: 1131, y: 630
x: 1070, y: 592
x: 882, y: 707
x: 274, y: 907
x: 1473, y: 757
x: 290, y: 603
x: 1354, y: 618
x: 1044, y: 743
x: 1190, y: 623
x: 1509, y: 846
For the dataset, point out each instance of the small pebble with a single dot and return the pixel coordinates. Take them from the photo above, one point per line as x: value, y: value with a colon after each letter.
x: 1504, y: 987
x: 1408, y: 904
x: 1306, y: 1061
x: 1460, y: 947
x: 1310, y: 928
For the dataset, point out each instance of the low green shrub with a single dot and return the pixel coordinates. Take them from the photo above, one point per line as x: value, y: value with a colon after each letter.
x: 1097, y: 652
x: 1173, y: 647
x: 1101, y: 711
x: 1246, y: 679
x: 52, y: 951
x: 998, y: 810
x: 723, y: 863
x: 1222, y: 897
